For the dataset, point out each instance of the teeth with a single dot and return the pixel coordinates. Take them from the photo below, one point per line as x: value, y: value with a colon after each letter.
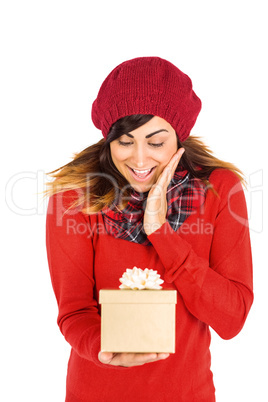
x: 142, y: 171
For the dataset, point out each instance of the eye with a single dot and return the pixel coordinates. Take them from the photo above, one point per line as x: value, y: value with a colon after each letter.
x: 124, y: 143
x: 160, y: 144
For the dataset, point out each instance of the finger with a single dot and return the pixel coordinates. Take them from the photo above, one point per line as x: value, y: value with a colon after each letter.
x: 142, y: 358
x: 163, y: 355
x: 170, y: 168
x: 173, y: 163
x: 153, y: 358
x: 176, y: 157
x: 136, y: 359
x: 133, y: 359
x: 105, y: 357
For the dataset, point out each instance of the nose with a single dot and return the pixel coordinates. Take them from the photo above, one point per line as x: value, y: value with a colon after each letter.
x: 140, y: 156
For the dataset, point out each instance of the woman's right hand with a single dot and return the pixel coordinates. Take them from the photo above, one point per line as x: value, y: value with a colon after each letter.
x: 130, y: 359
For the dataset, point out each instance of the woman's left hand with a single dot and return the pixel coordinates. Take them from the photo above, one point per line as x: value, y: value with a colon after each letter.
x: 156, y: 206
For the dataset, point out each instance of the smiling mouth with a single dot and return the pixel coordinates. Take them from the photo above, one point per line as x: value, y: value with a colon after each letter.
x: 141, y: 174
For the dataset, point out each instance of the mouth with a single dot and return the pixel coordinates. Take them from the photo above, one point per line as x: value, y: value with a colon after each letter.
x: 142, y: 174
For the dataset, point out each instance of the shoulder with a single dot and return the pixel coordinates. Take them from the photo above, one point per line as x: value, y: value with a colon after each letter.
x: 65, y: 207
x: 230, y: 192
x: 225, y: 181
x: 64, y: 200
x: 68, y: 207
x: 221, y: 176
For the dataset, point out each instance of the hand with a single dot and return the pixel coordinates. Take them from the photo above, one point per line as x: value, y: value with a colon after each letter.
x: 130, y: 359
x: 156, y: 206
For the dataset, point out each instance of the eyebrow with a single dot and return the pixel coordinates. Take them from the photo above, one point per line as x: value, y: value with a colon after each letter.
x: 148, y: 135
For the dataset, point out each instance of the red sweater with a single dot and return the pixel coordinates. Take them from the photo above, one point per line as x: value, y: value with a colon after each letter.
x: 208, y: 260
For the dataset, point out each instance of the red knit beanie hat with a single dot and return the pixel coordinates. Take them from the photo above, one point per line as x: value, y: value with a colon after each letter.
x: 147, y: 85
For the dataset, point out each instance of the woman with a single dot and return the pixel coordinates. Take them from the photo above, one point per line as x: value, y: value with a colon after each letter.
x: 148, y: 195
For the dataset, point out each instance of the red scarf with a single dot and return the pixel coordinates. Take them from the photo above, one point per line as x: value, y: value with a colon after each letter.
x: 184, y: 195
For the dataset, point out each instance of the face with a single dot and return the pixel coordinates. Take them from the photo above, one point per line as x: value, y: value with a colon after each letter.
x: 141, y: 155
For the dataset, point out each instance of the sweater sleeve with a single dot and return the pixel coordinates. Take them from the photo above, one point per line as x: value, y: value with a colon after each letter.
x: 70, y: 259
x: 218, y: 290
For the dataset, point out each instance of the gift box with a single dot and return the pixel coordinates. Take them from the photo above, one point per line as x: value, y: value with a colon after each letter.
x: 138, y: 321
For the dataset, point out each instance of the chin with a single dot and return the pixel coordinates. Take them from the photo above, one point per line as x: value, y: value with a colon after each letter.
x: 141, y: 188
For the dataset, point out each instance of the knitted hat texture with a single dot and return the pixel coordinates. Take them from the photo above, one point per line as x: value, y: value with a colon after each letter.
x: 147, y: 85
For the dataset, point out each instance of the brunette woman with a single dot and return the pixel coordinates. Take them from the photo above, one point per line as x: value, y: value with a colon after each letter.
x: 148, y: 195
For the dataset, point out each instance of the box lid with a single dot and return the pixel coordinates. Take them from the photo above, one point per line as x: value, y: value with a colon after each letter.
x: 114, y: 296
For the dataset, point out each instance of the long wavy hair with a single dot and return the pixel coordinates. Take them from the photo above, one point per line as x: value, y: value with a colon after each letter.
x: 97, y: 181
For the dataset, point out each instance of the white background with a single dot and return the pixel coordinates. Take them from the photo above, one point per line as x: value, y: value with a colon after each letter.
x: 54, y: 57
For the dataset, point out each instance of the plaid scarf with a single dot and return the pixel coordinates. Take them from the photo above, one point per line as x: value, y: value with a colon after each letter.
x: 184, y: 195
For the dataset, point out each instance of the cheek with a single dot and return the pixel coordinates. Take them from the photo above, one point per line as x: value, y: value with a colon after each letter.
x: 115, y: 154
x: 166, y: 155
x: 118, y: 156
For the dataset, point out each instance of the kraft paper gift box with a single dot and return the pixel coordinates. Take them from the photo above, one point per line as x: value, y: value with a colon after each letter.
x: 138, y: 321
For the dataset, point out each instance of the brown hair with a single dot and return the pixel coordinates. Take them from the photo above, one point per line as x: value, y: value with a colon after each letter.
x: 94, y: 174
